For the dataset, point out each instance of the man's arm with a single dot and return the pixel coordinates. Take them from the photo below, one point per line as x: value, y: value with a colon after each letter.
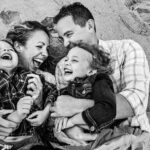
x: 124, y: 109
x: 69, y: 106
x: 134, y: 85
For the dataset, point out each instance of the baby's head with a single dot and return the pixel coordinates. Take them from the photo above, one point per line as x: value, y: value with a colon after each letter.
x: 8, y: 56
x: 85, y: 60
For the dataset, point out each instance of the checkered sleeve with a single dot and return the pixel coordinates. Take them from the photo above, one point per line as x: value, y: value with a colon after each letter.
x: 135, y: 81
x: 51, y: 95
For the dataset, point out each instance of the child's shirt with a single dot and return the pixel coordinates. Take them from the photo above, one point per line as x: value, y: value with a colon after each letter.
x: 14, y: 87
x: 99, y: 88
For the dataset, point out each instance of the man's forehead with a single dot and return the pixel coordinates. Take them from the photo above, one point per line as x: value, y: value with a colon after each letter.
x: 65, y: 24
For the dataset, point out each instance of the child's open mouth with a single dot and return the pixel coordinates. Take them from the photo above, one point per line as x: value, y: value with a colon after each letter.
x: 67, y: 71
x: 6, y: 56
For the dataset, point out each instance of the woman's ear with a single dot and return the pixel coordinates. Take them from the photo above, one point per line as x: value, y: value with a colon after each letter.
x: 18, y: 47
x: 91, y: 72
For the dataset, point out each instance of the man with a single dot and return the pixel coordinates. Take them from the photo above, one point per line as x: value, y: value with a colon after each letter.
x: 76, y: 23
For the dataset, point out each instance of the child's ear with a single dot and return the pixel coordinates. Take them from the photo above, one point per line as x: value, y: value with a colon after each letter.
x: 18, y: 47
x: 91, y: 72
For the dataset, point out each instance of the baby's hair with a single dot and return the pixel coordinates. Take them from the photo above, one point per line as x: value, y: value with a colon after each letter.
x: 8, y: 41
x: 101, y: 60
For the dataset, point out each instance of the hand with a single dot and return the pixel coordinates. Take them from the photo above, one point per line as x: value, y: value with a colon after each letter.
x: 35, y: 87
x: 77, y: 133
x: 64, y: 106
x: 6, y: 127
x: 62, y: 123
x: 23, y: 106
x: 37, y: 118
x: 62, y: 137
x: 59, y: 73
x: 47, y: 76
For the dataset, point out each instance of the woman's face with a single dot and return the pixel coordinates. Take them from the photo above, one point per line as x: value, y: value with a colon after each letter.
x: 34, y: 52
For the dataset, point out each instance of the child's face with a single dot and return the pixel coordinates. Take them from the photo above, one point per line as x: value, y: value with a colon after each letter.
x: 77, y: 64
x: 8, y: 57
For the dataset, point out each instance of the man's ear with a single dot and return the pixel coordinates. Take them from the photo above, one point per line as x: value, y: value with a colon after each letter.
x: 91, y: 72
x: 18, y: 47
x: 91, y: 25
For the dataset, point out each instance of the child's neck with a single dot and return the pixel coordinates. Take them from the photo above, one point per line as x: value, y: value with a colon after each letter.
x: 9, y: 72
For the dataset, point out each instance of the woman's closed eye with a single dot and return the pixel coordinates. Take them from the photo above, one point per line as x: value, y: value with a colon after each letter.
x: 39, y: 46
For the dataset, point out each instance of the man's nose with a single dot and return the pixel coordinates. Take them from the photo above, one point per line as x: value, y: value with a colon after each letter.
x: 66, y: 42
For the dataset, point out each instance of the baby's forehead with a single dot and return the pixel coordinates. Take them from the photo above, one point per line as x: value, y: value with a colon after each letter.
x: 4, y: 44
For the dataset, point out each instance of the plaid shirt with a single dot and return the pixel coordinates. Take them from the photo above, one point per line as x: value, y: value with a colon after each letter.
x: 131, y: 76
x: 14, y: 87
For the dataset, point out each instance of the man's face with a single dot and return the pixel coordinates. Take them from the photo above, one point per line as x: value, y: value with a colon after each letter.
x: 77, y: 64
x: 8, y: 57
x: 71, y: 32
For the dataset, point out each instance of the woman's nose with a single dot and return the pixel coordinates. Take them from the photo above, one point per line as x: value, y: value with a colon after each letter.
x: 45, y: 52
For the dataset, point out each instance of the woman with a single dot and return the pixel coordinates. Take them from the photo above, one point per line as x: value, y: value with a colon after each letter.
x: 31, y: 41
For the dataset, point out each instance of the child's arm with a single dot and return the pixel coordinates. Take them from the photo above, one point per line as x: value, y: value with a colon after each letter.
x: 39, y: 117
x: 23, y: 109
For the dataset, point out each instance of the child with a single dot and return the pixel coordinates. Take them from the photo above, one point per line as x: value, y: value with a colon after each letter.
x: 13, y: 95
x: 86, y: 70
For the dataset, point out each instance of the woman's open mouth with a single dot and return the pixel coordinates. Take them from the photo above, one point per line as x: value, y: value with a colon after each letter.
x: 37, y: 62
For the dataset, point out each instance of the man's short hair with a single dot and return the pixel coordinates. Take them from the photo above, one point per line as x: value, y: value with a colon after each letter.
x: 80, y: 14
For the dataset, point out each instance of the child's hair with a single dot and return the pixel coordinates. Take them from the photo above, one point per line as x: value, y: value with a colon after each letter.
x: 8, y: 41
x: 101, y: 60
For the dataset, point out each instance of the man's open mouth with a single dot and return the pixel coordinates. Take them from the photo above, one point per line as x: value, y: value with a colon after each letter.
x: 6, y: 56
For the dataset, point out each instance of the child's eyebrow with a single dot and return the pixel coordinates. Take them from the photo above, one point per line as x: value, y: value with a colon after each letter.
x: 74, y: 56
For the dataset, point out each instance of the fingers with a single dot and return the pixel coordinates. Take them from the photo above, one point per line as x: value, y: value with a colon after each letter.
x: 24, y: 105
x: 60, y: 124
x: 48, y: 76
x: 31, y: 86
x: 34, y: 78
x: 55, y: 115
x: 5, y: 112
x: 62, y: 137
x: 5, y: 131
x: 89, y: 137
x: 33, y: 115
x: 6, y: 124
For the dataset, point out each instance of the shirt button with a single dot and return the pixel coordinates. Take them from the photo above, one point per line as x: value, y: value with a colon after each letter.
x: 92, y: 128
